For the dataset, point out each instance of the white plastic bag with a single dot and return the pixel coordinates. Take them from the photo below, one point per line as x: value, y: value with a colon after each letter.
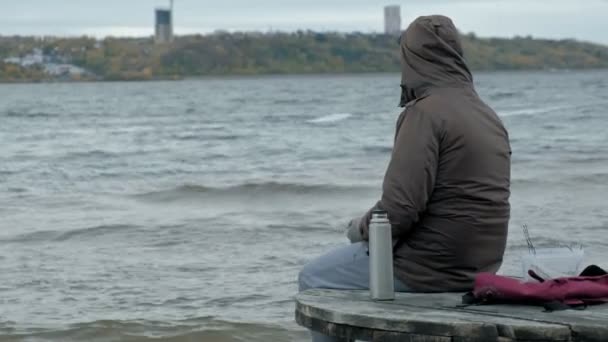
x: 551, y: 263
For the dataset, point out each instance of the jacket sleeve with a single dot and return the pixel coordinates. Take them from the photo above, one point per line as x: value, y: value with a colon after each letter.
x: 410, y: 178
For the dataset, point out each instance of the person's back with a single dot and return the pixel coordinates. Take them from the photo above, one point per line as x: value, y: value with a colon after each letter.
x: 462, y: 217
x: 464, y: 227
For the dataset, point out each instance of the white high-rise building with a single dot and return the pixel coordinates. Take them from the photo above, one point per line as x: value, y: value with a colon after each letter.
x: 392, y: 20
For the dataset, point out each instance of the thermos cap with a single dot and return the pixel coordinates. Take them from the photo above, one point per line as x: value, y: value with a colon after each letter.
x: 379, y: 214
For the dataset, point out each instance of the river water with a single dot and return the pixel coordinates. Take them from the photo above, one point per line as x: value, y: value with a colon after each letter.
x: 178, y: 211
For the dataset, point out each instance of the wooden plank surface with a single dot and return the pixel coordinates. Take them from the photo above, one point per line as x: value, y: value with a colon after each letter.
x: 590, y: 324
x: 441, y: 318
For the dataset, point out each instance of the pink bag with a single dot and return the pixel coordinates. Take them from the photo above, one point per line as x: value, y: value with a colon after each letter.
x: 553, y: 294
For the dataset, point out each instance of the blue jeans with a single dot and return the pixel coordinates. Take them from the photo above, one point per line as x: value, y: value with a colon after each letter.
x: 344, y: 268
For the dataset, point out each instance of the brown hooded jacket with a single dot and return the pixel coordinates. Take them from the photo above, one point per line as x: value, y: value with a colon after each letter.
x: 447, y: 186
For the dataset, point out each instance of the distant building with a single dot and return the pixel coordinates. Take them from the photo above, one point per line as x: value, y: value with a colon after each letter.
x: 13, y: 60
x: 54, y: 69
x: 36, y: 57
x: 164, y: 25
x: 51, y: 64
x: 392, y: 20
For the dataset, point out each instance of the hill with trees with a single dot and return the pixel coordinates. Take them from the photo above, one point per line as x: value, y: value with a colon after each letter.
x: 300, y: 52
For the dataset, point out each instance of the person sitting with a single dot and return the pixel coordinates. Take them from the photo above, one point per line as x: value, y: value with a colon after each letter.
x: 447, y: 186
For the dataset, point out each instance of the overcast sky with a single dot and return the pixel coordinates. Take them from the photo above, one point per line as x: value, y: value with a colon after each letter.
x: 581, y: 19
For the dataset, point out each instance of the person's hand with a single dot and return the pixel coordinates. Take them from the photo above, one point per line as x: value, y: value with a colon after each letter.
x: 353, y: 231
x: 364, y: 225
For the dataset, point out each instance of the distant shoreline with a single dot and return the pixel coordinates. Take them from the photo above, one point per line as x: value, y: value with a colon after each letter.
x: 31, y: 59
x: 397, y: 73
x: 254, y: 76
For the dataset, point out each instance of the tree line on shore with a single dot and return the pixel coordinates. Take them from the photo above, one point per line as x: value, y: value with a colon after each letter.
x: 301, y: 52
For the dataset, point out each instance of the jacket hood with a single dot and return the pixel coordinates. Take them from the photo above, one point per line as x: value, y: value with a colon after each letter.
x: 432, y: 57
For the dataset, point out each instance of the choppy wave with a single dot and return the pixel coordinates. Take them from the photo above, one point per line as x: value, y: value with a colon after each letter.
x: 97, y: 154
x: 330, y: 118
x: 28, y: 115
x: 203, y: 137
x: 576, y: 110
x: 506, y: 95
x: 584, y: 157
x: 60, y: 236
x: 7, y: 172
x: 530, y: 111
x: 378, y: 149
x: 591, y: 178
x: 291, y: 101
x: 199, y: 329
x: 188, y: 191
x: 562, y: 179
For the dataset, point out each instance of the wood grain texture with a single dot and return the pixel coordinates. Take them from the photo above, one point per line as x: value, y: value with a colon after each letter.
x: 442, y: 318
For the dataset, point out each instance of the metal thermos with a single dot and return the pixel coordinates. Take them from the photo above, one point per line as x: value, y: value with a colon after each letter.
x: 382, y: 281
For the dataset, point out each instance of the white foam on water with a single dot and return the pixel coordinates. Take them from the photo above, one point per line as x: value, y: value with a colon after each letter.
x: 331, y: 118
x: 534, y: 111
x: 527, y: 111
